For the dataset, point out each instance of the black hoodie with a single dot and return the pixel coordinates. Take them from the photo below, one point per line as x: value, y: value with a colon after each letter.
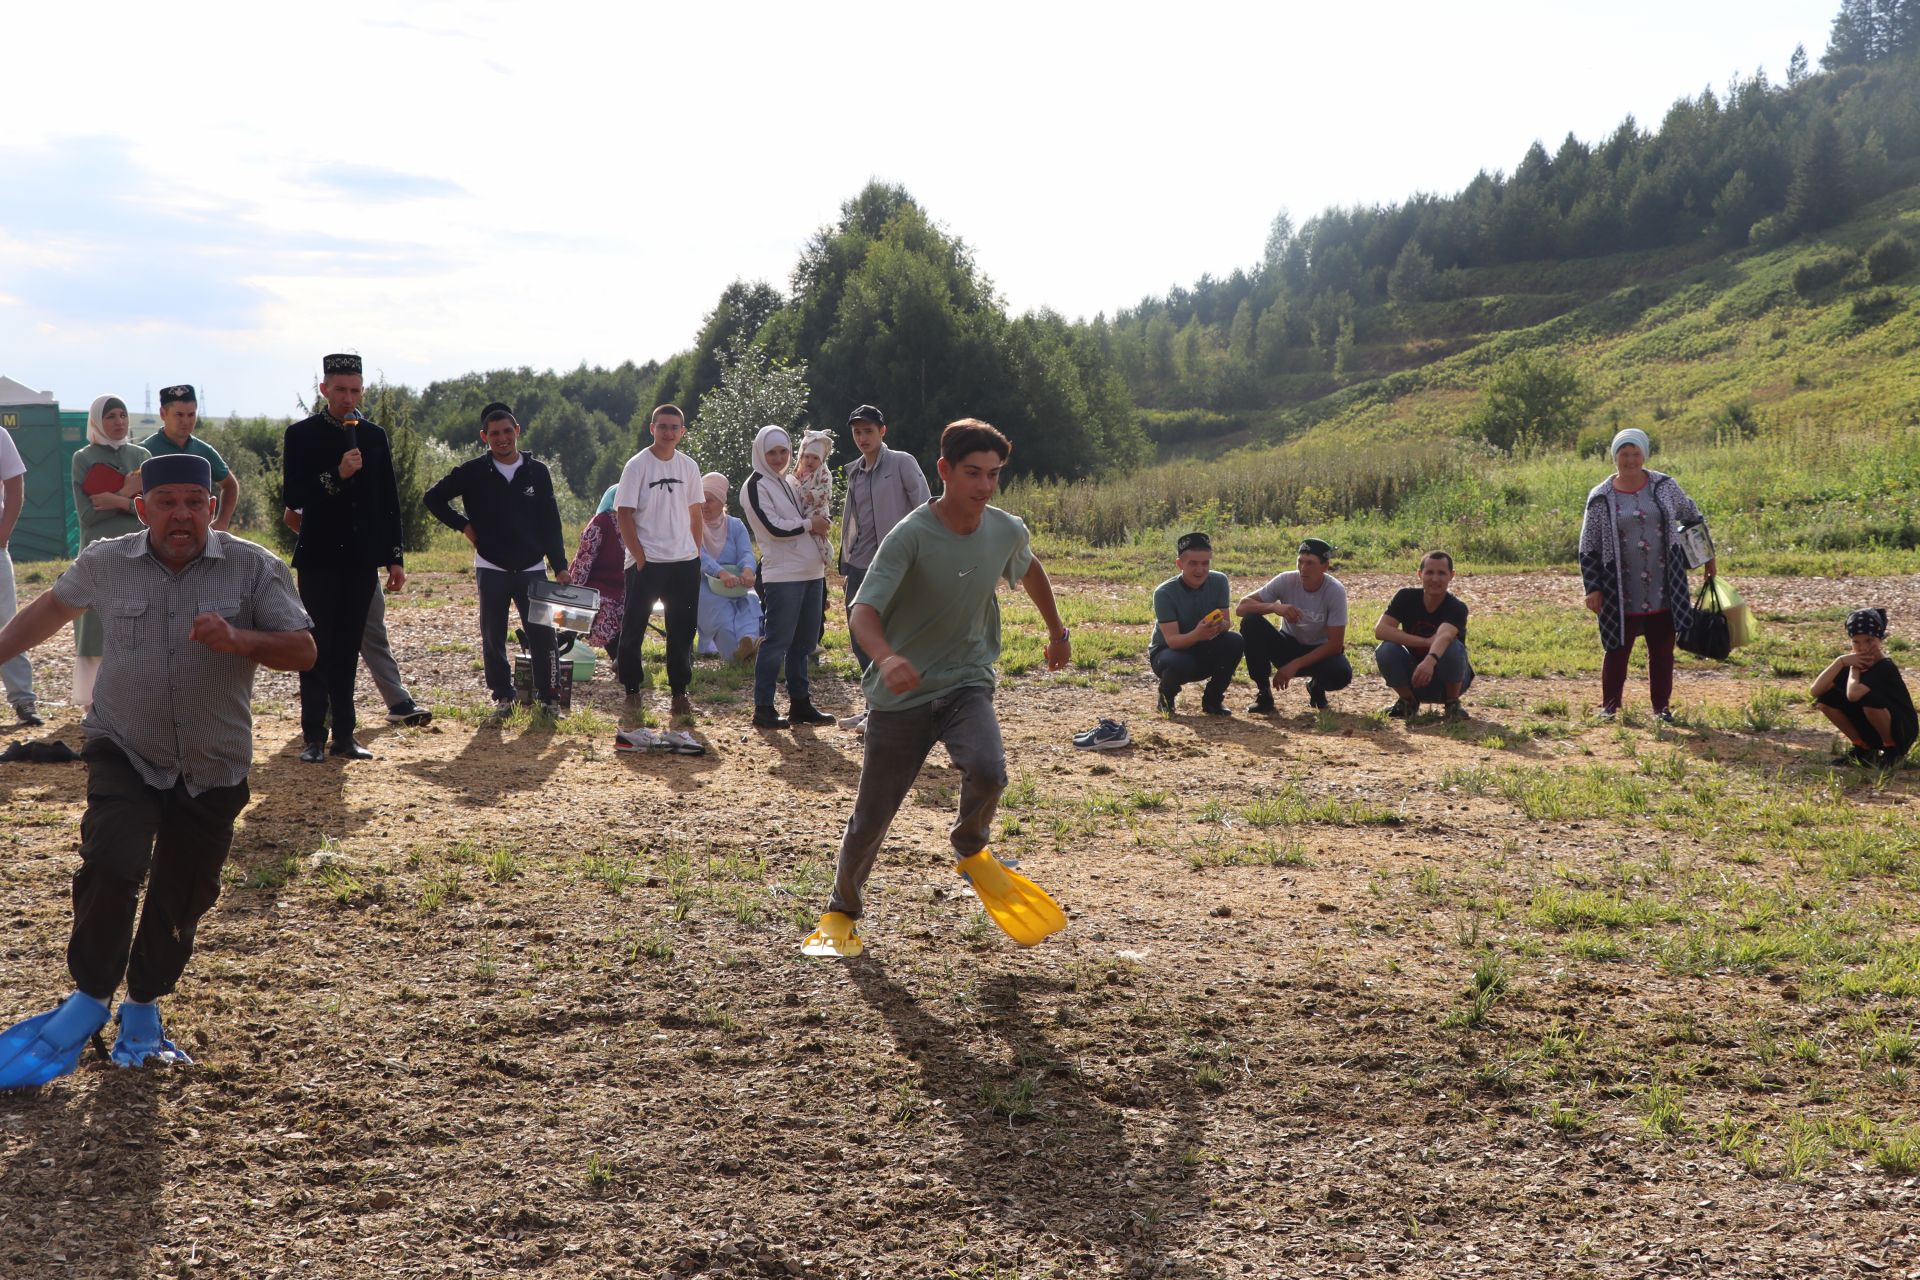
x: 515, y: 523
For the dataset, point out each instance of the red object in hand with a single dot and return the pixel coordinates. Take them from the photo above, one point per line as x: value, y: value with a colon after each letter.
x: 101, y: 478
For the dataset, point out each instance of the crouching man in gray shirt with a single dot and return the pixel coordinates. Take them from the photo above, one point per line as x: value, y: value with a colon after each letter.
x: 190, y: 614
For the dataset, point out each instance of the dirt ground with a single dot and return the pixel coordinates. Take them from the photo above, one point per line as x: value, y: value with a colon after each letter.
x: 537, y: 1008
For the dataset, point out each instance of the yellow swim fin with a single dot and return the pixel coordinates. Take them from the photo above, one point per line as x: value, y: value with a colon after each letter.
x: 834, y: 936
x: 1012, y: 901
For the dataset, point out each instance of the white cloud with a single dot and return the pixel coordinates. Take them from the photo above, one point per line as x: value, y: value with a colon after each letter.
x: 240, y: 187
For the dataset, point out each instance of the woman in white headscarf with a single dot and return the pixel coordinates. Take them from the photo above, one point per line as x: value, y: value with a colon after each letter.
x: 1635, y: 570
x: 106, y: 477
x: 793, y: 582
x: 729, y: 609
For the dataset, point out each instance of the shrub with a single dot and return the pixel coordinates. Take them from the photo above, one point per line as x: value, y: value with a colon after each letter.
x: 1533, y: 398
x: 1890, y: 259
x: 1816, y: 274
x: 1769, y: 233
x: 1875, y: 303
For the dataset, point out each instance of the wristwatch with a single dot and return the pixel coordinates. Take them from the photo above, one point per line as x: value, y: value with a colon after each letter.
x: 1061, y: 634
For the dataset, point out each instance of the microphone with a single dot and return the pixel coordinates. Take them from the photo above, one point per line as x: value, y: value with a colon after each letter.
x: 353, y: 421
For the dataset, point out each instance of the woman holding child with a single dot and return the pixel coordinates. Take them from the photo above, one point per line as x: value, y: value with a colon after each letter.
x: 1635, y: 570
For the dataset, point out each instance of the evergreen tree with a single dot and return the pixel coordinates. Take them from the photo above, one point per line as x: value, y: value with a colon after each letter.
x: 1240, y: 336
x: 1820, y: 193
x: 1797, y: 67
x: 1850, y: 41
x: 1412, y: 278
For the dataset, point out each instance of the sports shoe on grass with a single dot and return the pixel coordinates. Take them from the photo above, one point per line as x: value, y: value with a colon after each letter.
x: 1108, y: 735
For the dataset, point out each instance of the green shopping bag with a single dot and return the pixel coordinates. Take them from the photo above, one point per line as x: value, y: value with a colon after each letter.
x: 1742, y: 626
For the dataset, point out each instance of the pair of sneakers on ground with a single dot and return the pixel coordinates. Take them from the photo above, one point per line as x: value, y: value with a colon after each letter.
x: 1262, y: 704
x: 47, y: 1046
x: 677, y: 741
x: 1451, y: 711
x: 1883, y: 758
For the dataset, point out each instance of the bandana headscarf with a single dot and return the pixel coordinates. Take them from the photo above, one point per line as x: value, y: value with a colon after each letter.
x: 606, y: 500
x: 713, y: 531
x: 96, y: 422
x: 1630, y: 435
x: 776, y: 481
x: 1867, y: 622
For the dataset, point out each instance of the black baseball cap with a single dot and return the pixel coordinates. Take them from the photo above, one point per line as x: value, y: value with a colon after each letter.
x: 1195, y: 541
x: 867, y: 413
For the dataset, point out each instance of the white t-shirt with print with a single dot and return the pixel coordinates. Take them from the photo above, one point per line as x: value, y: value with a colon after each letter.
x: 660, y: 494
x: 1319, y: 610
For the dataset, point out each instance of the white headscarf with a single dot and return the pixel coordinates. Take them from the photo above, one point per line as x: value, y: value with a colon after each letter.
x: 771, y: 480
x: 713, y: 533
x: 96, y: 418
x: 1633, y: 436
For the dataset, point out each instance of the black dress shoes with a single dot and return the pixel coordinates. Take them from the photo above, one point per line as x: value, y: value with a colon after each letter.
x: 350, y: 750
x: 313, y: 753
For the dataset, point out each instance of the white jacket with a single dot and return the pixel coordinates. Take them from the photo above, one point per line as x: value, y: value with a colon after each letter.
x: 788, y: 552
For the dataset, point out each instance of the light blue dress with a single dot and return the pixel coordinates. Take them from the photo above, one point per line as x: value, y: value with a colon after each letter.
x: 724, y: 621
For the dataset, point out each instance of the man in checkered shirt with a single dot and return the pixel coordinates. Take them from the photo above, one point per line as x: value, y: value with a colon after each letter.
x: 191, y: 613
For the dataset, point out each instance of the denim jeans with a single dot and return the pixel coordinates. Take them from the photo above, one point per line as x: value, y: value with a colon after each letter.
x: 795, y: 612
x: 1396, y: 663
x: 1213, y: 661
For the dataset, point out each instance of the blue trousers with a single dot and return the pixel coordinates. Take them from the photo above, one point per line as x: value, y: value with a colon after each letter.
x: 795, y: 613
x: 1396, y: 663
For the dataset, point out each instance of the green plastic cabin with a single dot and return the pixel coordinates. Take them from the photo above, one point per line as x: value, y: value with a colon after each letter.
x: 49, y: 527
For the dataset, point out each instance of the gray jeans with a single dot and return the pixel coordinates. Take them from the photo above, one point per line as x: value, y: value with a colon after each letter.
x: 378, y: 655
x: 897, y: 744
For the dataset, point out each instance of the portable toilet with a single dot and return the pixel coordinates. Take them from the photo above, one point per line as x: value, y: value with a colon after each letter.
x: 48, y: 528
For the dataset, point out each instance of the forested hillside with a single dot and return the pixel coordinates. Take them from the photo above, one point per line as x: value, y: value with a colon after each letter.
x: 1746, y: 266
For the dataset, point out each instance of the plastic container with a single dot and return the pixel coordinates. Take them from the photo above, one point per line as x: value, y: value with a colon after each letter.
x: 562, y: 607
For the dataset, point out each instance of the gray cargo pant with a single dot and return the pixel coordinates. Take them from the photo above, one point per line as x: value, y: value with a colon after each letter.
x: 378, y: 655
x: 897, y: 744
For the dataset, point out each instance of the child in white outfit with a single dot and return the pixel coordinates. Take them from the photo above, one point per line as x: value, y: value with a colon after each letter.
x: 816, y: 484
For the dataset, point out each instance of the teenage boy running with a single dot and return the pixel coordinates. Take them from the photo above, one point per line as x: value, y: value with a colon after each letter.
x: 927, y: 615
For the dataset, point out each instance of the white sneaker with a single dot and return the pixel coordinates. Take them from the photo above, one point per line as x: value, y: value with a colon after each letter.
x: 857, y: 723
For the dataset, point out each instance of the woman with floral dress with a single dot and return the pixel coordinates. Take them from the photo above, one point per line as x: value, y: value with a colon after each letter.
x: 1635, y: 570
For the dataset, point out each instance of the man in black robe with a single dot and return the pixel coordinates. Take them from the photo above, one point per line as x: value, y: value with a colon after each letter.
x: 338, y: 471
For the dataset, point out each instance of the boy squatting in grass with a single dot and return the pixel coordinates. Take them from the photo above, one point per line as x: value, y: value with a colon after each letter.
x: 1862, y: 692
x: 927, y: 615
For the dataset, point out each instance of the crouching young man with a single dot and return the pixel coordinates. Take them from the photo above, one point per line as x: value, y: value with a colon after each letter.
x: 1422, y: 653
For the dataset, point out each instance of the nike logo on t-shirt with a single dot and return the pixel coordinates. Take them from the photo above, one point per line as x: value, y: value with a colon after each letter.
x: 965, y: 572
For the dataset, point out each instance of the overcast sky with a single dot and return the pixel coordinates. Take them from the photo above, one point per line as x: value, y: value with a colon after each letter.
x: 220, y: 193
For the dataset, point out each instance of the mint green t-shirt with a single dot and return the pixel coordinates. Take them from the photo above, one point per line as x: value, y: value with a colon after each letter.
x: 934, y: 589
x: 159, y: 442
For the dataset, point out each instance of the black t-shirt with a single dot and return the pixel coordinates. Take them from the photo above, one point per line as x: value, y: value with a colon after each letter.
x: 1409, y: 609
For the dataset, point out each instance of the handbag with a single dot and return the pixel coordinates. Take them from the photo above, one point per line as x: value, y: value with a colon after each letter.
x: 1707, y: 636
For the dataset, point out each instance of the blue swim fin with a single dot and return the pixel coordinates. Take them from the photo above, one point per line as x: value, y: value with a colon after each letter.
x: 48, y: 1045
x: 142, y: 1041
